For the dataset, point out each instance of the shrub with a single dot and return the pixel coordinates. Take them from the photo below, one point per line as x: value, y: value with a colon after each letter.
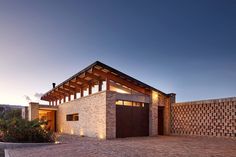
x: 8, y: 113
x: 21, y: 130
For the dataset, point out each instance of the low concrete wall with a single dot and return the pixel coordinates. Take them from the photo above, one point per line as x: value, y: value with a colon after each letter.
x: 208, y: 118
x: 7, y: 146
x: 92, y: 116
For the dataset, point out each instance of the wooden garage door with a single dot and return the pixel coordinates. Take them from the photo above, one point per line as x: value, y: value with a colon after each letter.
x: 132, y: 121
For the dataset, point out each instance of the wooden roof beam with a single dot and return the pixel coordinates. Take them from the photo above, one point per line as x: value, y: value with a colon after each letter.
x: 91, y: 75
x: 82, y: 80
x: 76, y: 85
x: 51, y: 97
x: 58, y: 94
x: 121, y: 81
x: 73, y: 90
x: 66, y: 92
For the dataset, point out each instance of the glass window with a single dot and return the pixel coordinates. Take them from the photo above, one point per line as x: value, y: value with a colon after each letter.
x: 137, y: 104
x: 128, y: 103
x: 119, y: 102
x: 72, y: 117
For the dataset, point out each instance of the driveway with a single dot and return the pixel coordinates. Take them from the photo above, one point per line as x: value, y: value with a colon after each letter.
x: 161, y: 146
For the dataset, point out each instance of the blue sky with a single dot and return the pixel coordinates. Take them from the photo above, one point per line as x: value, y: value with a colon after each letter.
x: 186, y: 47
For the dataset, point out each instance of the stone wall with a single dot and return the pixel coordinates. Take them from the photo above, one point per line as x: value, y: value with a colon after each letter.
x: 33, y: 111
x: 164, y: 101
x: 92, y: 116
x: 170, y: 99
x: 111, y: 115
x: 208, y: 118
x: 153, y: 114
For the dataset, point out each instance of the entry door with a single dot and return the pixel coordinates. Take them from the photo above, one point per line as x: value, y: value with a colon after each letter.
x: 160, y: 120
x: 132, y: 121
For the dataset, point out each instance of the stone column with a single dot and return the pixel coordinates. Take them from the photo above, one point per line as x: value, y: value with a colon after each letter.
x: 110, y: 115
x: 33, y: 110
x: 153, y: 114
x: 172, y: 100
x: 167, y: 115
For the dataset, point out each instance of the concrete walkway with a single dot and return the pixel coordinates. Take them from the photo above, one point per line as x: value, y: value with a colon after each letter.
x: 162, y: 146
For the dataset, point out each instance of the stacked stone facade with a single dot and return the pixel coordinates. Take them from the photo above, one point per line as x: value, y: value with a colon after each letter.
x: 110, y: 115
x: 207, y: 118
x: 33, y: 111
x: 97, y: 114
x: 153, y: 114
x: 92, y: 116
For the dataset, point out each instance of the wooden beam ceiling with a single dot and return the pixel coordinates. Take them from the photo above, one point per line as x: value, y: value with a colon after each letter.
x: 94, y: 75
x: 120, y: 80
x: 67, y: 92
x: 68, y: 87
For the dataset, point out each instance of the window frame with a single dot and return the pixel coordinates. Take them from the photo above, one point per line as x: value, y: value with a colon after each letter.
x: 72, y: 117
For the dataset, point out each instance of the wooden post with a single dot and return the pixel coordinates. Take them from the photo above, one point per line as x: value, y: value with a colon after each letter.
x: 64, y: 99
x: 100, y: 86
x: 108, y: 83
x: 90, y: 89
x: 60, y: 101
x: 50, y: 103
x: 75, y: 95
x: 69, y: 97
x: 56, y: 103
x: 81, y: 92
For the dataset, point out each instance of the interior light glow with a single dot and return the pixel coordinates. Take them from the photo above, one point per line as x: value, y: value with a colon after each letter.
x: 121, y: 91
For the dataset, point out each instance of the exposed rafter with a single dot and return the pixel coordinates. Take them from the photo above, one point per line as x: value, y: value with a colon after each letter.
x: 120, y: 80
x: 95, y: 74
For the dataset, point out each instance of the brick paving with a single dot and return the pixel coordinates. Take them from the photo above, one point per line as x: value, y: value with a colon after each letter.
x: 161, y: 146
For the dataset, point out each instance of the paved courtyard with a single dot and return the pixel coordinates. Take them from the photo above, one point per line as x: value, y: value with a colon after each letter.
x: 162, y: 146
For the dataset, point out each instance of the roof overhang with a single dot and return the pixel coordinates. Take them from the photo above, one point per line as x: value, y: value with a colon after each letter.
x: 91, y: 76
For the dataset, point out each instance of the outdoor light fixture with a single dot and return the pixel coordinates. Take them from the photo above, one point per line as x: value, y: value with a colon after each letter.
x: 81, y: 132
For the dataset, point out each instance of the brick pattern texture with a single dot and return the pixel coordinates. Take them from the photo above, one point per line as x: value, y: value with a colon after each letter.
x: 207, y: 118
x: 92, y: 116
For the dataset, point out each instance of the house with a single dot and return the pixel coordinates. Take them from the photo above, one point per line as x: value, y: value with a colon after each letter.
x: 102, y: 102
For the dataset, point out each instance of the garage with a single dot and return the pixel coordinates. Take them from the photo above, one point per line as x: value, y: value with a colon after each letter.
x: 132, y: 119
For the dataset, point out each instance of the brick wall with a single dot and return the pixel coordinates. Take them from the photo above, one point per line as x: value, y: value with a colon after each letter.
x: 92, y: 116
x: 208, y: 118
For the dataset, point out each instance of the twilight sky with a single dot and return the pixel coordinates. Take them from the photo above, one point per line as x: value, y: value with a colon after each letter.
x: 186, y: 47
